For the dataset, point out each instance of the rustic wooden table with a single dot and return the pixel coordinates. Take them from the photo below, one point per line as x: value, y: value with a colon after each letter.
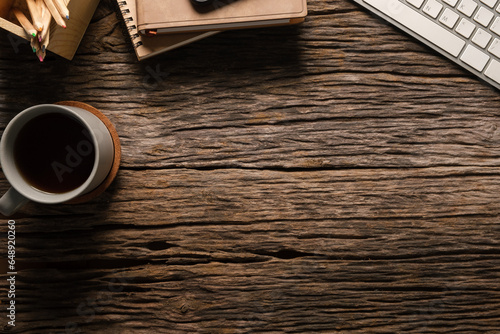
x: 333, y: 177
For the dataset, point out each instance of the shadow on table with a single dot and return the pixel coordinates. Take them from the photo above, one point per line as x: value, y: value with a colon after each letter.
x: 64, y: 278
x: 235, y: 58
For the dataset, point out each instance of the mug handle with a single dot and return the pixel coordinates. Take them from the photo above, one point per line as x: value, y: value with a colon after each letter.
x: 11, y: 202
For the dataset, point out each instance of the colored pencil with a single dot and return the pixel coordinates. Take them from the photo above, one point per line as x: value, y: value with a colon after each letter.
x: 41, y: 12
x: 55, y: 13
x: 46, y: 21
x: 35, y: 15
x: 63, y: 10
x: 40, y: 54
x: 34, y: 44
x: 45, y: 41
x: 25, y: 23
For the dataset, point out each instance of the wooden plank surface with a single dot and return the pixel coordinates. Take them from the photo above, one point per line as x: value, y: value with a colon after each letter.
x: 333, y: 177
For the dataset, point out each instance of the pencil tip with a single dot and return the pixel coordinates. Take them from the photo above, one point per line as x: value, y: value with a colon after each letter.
x: 33, y: 34
x: 41, y: 59
x: 64, y: 26
x: 67, y: 17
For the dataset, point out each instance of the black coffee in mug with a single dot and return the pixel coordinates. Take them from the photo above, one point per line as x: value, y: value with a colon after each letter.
x: 54, y: 153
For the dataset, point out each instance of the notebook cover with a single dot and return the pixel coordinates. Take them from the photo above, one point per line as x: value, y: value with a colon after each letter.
x: 177, y: 15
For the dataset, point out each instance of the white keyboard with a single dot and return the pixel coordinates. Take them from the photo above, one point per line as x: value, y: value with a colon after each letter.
x: 466, y: 31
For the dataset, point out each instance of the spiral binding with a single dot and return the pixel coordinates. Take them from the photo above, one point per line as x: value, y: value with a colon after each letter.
x: 129, y: 23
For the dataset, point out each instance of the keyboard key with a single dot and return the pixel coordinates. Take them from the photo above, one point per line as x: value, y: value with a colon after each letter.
x: 452, y: 3
x: 432, y: 8
x: 422, y: 26
x: 481, y: 38
x: 475, y: 58
x: 495, y: 48
x: 416, y: 3
x: 449, y: 18
x: 465, y: 28
x: 489, y: 3
x: 493, y: 71
x: 495, y: 27
x: 498, y: 8
x: 467, y: 7
x: 483, y: 16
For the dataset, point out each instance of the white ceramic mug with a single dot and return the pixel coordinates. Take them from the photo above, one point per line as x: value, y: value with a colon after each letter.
x: 97, y: 144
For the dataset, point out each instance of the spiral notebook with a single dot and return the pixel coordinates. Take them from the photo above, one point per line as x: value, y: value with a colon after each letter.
x: 148, y: 46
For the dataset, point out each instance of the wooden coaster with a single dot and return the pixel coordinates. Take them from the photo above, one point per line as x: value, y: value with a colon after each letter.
x: 116, y: 159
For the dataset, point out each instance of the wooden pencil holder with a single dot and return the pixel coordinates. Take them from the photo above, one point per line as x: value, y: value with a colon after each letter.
x: 63, y: 41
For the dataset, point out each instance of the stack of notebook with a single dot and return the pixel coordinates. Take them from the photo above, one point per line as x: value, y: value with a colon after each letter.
x: 156, y: 26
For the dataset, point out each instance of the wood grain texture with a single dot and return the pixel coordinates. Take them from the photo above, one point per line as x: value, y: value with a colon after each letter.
x: 333, y: 177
